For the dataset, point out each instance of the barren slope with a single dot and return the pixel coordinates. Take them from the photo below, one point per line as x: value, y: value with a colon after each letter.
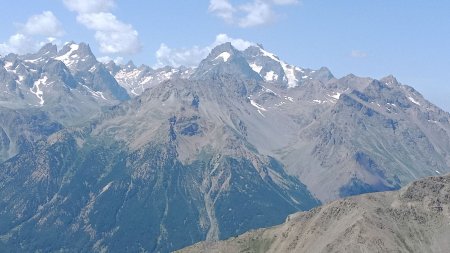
x: 413, y: 219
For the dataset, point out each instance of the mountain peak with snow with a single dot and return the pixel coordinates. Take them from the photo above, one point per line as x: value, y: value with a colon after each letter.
x: 76, y: 56
x: 225, y: 59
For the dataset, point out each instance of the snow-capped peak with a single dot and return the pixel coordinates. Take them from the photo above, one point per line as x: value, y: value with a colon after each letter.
x: 69, y: 56
x: 289, y: 71
x: 77, y: 56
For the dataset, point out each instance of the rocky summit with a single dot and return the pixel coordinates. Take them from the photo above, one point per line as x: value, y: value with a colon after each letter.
x: 101, y: 157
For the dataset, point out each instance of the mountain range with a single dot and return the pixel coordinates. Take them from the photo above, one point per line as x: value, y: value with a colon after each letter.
x: 106, y: 157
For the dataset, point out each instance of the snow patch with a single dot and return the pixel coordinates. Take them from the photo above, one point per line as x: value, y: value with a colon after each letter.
x: 319, y: 101
x: 168, y: 75
x: 34, y: 60
x: 271, y: 76
x: 289, y: 98
x: 66, y: 57
x: 36, y: 89
x: 289, y: 71
x: 270, y: 55
x: 146, y: 79
x: 123, y: 74
x: 265, y: 89
x: 335, y: 96
x: 255, y: 67
x: 8, y: 65
x: 96, y: 94
x: 413, y: 100
x: 299, y: 69
x: 225, y: 56
x: 258, y: 106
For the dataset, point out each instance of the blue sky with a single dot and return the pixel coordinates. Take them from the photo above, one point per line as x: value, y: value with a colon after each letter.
x: 409, y: 39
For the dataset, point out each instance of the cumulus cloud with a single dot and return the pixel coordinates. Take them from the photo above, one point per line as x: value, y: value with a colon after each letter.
x: 239, y: 44
x: 166, y: 56
x: 37, y: 31
x: 249, y: 13
x: 17, y: 43
x: 45, y: 24
x: 113, y: 35
x: 358, y: 54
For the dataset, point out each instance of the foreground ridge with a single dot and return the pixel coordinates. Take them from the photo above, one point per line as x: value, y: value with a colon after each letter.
x: 413, y: 219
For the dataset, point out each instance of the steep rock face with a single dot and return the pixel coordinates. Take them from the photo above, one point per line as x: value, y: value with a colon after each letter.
x: 413, y: 219
x: 89, y: 72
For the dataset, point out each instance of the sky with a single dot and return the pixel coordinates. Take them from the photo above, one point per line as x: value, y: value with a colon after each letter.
x: 408, y: 39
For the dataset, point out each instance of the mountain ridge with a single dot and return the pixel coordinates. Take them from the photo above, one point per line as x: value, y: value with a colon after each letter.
x: 238, y: 143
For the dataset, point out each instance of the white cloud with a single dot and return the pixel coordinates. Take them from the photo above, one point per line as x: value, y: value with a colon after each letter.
x: 17, y: 43
x: 358, y: 54
x: 222, y: 8
x: 239, y: 44
x: 192, y: 56
x: 37, y: 31
x: 89, y: 6
x: 45, y: 24
x: 257, y: 13
x: 113, y: 35
x: 248, y: 14
x: 180, y: 57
